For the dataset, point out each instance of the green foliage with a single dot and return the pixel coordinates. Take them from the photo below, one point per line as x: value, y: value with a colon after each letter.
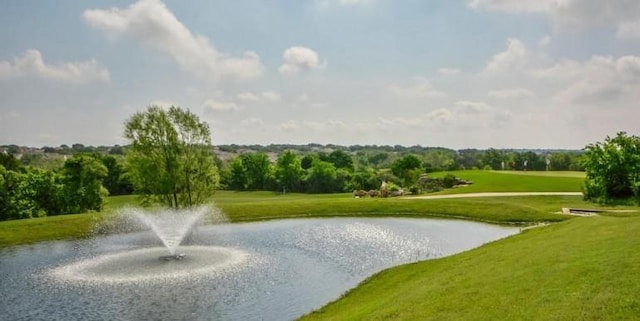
x: 307, y: 160
x: 170, y: 158
x: 50, y: 189
x: 29, y: 193
x: 258, y: 171
x: 613, y: 169
x: 439, y: 159
x: 493, y: 158
x: 341, y: 159
x: 19, y: 193
x: 321, y: 177
x: 116, y: 181
x: 33, y: 192
x: 560, y: 161
x: 82, y: 176
x: 289, y: 172
x: 378, y: 160
x: 449, y: 181
x: 238, y: 175
x: 9, y: 162
x: 366, y: 179
x: 408, y: 168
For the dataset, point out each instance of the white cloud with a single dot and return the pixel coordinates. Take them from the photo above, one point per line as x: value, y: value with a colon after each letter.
x: 154, y: 25
x: 544, y: 41
x: 621, y: 14
x: 298, y: 59
x: 512, y: 6
x: 514, y: 58
x: 599, y: 80
x: 249, y: 97
x: 471, y: 107
x: 324, y: 3
x: 419, y: 88
x: 629, y: 29
x: 31, y: 64
x: 213, y: 105
x: 508, y: 94
x: 440, y: 115
x: 252, y: 122
x: 351, y: 2
x: 270, y: 96
x: 290, y: 125
x: 265, y: 96
x: 162, y: 103
x: 449, y: 71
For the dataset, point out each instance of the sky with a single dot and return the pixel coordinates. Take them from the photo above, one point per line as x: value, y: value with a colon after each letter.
x: 456, y: 74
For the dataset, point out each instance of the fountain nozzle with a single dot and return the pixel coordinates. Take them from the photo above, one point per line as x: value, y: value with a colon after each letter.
x: 176, y: 257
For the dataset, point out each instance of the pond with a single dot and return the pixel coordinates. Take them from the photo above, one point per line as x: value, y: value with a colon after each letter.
x: 273, y: 270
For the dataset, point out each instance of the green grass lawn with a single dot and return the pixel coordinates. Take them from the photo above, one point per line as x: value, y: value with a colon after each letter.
x: 513, y: 181
x: 581, y: 175
x: 582, y: 269
x: 47, y: 228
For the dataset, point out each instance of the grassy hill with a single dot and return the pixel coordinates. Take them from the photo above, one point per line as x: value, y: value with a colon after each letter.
x: 582, y: 269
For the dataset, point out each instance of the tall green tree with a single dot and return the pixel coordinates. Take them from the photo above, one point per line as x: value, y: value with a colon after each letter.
x: 613, y: 169
x: 82, y: 178
x: 289, y: 172
x: 408, y: 169
x: 170, y: 157
x: 116, y: 181
x: 321, y: 177
x: 341, y: 159
x: 493, y: 158
x: 258, y: 170
x: 238, y: 175
x: 365, y: 179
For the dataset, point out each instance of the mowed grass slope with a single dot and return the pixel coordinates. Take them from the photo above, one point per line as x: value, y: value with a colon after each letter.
x: 514, y: 181
x: 46, y: 228
x: 582, y: 269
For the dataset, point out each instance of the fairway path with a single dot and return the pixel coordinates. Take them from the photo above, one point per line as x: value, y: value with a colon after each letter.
x: 497, y: 194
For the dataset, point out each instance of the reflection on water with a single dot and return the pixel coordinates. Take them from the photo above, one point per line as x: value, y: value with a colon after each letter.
x: 275, y: 270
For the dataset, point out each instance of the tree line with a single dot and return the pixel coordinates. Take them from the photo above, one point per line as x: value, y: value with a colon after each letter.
x: 78, y: 186
x: 83, y: 181
x: 169, y: 160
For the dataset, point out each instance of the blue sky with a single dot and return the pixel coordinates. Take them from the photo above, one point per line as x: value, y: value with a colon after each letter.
x: 458, y: 74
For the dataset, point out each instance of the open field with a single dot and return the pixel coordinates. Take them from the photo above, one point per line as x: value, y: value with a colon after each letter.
x: 545, y: 173
x: 512, y: 181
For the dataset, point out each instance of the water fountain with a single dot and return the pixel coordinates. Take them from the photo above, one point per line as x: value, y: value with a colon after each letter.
x: 171, y: 225
x: 272, y: 270
x: 154, y: 263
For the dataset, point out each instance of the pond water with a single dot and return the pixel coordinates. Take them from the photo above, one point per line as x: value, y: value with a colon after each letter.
x: 274, y: 270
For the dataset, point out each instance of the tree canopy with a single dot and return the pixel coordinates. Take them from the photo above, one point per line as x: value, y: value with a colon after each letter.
x: 613, y: 169
x: 170, y: 158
